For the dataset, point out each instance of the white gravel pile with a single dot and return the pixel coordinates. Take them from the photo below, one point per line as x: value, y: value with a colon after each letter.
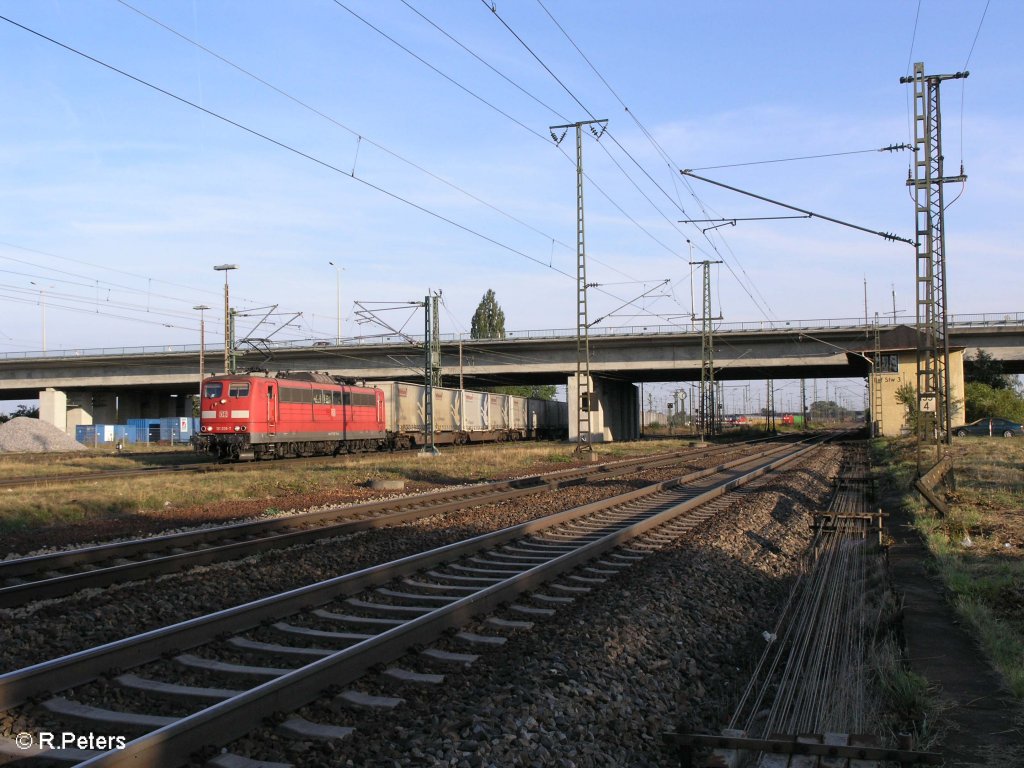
x: 22, y: 434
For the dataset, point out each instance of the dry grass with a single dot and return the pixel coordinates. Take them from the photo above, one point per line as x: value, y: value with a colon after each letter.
x: 127, y: 506
x: 93, y: 460
x: 909, y: 704
x: 979, y: 546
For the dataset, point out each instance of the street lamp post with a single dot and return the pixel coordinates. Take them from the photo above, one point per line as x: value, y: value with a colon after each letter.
x: 337, y: 294
x: 42, y: 307
x: 202, y: 345
x: 228, y: 341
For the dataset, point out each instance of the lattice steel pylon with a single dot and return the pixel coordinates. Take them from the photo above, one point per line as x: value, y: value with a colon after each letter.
x: 933, y: 390
x: 583, y: 381
x: 875, y: 383
x: 803, y: 402
x: 706, y: 421
x: 435, y: 340
x: 431, y: 370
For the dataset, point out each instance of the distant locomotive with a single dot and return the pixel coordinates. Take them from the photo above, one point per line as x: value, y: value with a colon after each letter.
x: 306, y: 414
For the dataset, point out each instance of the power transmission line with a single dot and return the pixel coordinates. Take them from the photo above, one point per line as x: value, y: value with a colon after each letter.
x: 613, y: 137
x: 890, y: 148
x: 287, y: 147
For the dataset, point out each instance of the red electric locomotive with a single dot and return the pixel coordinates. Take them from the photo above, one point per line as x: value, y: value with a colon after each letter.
x: 300, y: 414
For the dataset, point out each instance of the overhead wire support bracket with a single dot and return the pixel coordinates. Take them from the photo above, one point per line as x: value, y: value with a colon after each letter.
x: 742, y: 218
x: 660, y: 284
x: 730, y: 223
x: 809, y: 214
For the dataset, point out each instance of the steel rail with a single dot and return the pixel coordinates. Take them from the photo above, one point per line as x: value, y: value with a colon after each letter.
x: 261, y: 535
x: 18, y: 686
x: 64, y: 558
x: 220, y: 723
x: 814, y: 672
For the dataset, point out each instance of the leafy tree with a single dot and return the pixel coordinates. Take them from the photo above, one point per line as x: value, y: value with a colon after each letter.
x: 906, y: 395
x: 22, y: 410
x: 536, y: 391
x: 489, y: 323
x: 983, y: 400
x: 916, y: 420
x: 822, y: 410
x: 983, y: 369
x: 488, y: 320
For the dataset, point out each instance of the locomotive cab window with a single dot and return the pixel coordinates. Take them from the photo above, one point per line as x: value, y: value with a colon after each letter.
x: 238, y: 389
x: 213, y: 389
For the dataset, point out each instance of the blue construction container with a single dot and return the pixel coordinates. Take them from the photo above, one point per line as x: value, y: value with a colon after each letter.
x: 146, y: 430
x: 166, y: 430
x: 109, y: 434
x: 177, y: 429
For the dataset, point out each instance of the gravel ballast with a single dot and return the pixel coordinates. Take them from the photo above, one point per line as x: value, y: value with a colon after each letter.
x: 46, y: 630
x: 666, y: 645
x: 663, y: 646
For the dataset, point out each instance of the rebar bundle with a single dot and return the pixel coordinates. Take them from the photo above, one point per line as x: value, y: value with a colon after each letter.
x: 813, y: 675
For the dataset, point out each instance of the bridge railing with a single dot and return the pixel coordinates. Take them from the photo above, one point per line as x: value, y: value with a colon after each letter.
x: 213, y: 350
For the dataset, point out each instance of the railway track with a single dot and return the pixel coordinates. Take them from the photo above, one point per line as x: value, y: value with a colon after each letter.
x: 812, y: 692
x: 62, y: 573
x: 330, y: 634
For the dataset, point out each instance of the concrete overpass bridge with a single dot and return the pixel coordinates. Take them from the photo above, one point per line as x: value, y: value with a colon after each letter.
x: 111, y: 384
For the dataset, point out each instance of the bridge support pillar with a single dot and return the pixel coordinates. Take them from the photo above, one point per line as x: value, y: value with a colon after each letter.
x: 104, y: 408
x: 169, y: 406
x: 129, y: 406
x: 80, y: 410
x: 186, y: 401
x: 149, y: 405
x: 615, y: 413
x: 53, y: 408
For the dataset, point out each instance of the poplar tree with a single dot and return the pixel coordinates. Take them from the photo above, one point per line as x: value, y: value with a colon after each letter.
x: 488, y: 320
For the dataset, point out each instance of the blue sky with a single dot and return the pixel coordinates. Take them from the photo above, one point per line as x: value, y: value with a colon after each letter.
x: 117, y: 200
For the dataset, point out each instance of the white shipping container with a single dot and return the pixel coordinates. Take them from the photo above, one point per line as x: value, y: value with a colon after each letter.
x: 447, y: 410
x: 497, y: 410
x: 474, y: 411
x: 517, y: 412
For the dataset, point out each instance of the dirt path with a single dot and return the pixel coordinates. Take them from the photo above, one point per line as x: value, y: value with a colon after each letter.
x: 985, y: 726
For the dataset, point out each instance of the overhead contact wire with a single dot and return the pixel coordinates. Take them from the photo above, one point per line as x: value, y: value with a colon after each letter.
x: 289, y: 148
x: 658, y: 148
x: 509, y: 117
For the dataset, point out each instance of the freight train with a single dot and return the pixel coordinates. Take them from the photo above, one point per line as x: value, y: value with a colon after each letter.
x: 247, y: 417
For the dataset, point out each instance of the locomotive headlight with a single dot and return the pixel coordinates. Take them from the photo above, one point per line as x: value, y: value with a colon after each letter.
x: 237, y: 428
